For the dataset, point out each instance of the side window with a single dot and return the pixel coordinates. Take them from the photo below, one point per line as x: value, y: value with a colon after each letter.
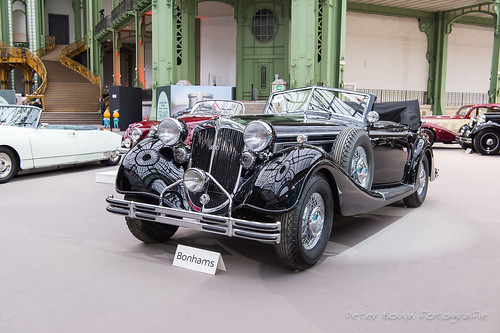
x: 496, y: 109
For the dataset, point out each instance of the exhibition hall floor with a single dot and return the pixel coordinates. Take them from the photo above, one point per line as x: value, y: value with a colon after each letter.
x: 69, y: 266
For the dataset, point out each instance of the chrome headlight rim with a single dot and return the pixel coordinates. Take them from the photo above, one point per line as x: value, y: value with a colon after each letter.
x: 127, y: 143
x: 172, y: 131
x: 135, y: 134
x: 195, y: 180
x: 258, y: 135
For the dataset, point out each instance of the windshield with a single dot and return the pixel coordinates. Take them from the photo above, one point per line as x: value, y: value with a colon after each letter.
x: 463, y: 110
x: 323, y: 101
x: 19, y: 116
x: 222, y: 107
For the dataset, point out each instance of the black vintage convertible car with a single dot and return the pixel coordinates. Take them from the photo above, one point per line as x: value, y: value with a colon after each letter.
x: 277, y: 177
x: 482, y: 134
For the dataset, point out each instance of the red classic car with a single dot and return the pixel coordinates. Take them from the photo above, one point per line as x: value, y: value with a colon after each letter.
x: 203, y: 110
x: 446, y: 128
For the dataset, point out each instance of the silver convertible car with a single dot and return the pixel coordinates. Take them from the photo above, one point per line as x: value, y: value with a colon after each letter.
x: 27, y: 144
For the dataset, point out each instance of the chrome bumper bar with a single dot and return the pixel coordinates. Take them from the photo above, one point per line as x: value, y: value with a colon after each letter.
x: 232, y: 227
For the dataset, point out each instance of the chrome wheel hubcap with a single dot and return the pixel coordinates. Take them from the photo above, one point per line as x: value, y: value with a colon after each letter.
x: 313, y: 221
x: 5, y: 165
x: 422, y: 178
x: 359, y: 167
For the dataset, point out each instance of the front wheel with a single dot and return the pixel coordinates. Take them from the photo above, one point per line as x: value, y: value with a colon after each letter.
x: 305, y: 231
x: 429, y: 135
x: 149, y: 232
x: 487, y: 142
x: 417, y: 198
x: 112, y: 160
x: 8, y: 165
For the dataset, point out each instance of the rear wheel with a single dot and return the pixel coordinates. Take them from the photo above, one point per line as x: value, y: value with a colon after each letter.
x: 8, y: 165
x: 417, y: 198
x: 353, y: 150
x: 487, y: 142
x: 305, y: 231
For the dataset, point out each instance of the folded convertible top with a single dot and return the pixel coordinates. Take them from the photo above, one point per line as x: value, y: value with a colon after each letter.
x: 404, y: 112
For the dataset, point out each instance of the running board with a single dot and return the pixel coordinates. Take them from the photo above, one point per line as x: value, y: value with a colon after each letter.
x: 396, y: 192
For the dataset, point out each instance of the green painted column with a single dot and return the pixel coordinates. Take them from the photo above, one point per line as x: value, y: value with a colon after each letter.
x: 494, y: 92
x: 139, y: 51
x: 84, y: 21
x: 164, y: 69
x: 93, y: 49
x: 186, y: 57
x: 77, y: 12
x: 331, y: 51
x: 437, y: 31
x: 239, y: 16
x: 303, y: 45
x: 4, y: 22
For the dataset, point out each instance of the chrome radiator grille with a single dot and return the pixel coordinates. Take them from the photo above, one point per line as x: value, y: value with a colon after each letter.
x: 218, y: 152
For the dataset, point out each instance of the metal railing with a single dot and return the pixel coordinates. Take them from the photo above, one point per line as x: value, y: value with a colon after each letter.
x: 72, y: 50
x: 11, y: 54
x: 122, y: 8
x: 104, y: 24
x: 451, y: 98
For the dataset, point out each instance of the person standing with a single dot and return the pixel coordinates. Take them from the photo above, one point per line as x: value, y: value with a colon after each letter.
x: 103, y: 109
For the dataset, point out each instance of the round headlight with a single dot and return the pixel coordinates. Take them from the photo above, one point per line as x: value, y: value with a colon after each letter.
x: 258, y: 135
x: 127, y: 143
x: 181, y: 155
x: 135, y: 134
x: 194, y: 180
x: 171, y: 131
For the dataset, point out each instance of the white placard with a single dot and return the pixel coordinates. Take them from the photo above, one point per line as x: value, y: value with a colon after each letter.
x: 198, y: 259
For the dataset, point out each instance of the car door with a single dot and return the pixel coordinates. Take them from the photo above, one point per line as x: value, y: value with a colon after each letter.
x: 391, y: 149
x: 91, y: 144
x: 52, y: 147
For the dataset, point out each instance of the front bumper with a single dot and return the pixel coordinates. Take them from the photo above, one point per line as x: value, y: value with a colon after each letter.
x: 462, y: 139
x: 232, y: 227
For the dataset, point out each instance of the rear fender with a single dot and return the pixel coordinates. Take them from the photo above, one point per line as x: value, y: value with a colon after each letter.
x: 420, y: 149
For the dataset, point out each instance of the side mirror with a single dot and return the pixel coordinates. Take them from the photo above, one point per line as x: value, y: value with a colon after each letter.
x: 372, y: 117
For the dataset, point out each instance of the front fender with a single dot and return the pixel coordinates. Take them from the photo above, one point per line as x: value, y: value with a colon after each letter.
x: 147, y: 169
x: 488, y: 125
x: 277, y: 185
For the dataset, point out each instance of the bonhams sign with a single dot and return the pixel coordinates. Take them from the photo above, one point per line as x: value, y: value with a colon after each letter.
x: 198, y: 260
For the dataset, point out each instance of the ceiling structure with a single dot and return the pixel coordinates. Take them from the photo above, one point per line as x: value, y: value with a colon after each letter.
x: 424, y: 5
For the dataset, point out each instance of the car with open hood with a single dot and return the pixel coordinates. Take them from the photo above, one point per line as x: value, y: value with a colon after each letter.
x: 277, y: 177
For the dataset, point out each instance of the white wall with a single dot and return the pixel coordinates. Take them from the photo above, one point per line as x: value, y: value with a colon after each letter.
x: 385, y: 53
x: 218, y: 50
x: 470, y: 52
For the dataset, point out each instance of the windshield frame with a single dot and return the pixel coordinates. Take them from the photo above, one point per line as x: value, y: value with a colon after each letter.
x: 238, y: 109
x: 331, y: 102
x: 17, y: 115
